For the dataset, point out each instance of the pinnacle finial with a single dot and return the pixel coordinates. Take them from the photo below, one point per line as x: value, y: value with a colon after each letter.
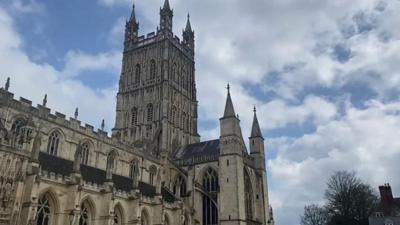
x: 255, y: 128
x: 102, y: 125
x: 229, y: 110
x: 166, y: 5
x: 133, y: 15
x: 188, y: 26
x: 7, y: 86
x: 76, y: 113
x: 45, y: 100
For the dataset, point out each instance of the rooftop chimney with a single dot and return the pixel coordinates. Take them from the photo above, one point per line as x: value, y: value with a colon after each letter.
x: 386, y: 199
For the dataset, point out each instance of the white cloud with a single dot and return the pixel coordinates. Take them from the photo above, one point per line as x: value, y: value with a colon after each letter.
x: 363, y: 140
x: 32, y: 80
x: 244, y: 43
x: 77, y: 62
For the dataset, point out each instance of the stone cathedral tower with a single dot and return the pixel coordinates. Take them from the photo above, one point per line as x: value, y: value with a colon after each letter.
x: 156, y: 101
x: 152, y: 170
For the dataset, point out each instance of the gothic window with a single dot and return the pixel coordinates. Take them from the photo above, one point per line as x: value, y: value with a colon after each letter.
x: 85, y: 153
x: 133, y: 170
x: 117, y: 220
x: 45, y: 212
x: 17, y: 131
x: 248, y: 195
x: 174, y: 73
x: 53, y: 143
x: 183, y: 80
x: 173, y: 114
x: 210, y: 186
x: 152, y: 173
x: 179, y: 188
x: 137, y: 74
x: 150, y: 112
x: 144, y: 218
x: 183, y: 121
x: 134, y: 116
x: 84, y: 215
x: 152, y: 69
x: 166, y: 220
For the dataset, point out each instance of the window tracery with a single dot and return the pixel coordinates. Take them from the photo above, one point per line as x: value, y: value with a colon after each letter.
x: 53, y: 143
x: 210, y: 186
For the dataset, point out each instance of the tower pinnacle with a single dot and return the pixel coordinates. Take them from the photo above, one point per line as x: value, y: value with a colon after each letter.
x: 133, y: 14
x: 229, y: 110
x: 166, y: 5
x: 255, y: 129
x: 188, y: 26
x: 7, y: 86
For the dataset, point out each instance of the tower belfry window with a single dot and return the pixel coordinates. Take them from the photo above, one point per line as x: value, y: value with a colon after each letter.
x: 150, y: 112
x: 152, y: 69
x: 134, y: 116
x: 137, y: 74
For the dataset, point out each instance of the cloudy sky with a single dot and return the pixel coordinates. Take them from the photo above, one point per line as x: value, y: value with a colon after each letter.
x: 324, y: 76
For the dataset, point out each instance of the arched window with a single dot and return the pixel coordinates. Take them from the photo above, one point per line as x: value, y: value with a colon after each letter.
x: 137, y: 74
x: 183, y: 121
x: 117, y: 220
x: 173, y: 115
x: 166, y: 220
x: 134, y: 116
x: 174, y: 73
x: 133, y: 170
x: 150, y: 112
x: 45, y: 212
x: 53, y: 143
x: 210, y: 186
x: 16, y: 127
x: 183, y: 78
x: 152, y: 173
x: 17, y: 131
x: 84, y: 215
x: 85, y: 153
x: 144, y: 218
x: 179, y: 188
x: 152, y: 69
x: 248, y: 195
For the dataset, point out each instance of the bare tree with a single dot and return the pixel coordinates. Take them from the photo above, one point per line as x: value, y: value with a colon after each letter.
x: 349, y: 200
x: 314, y: 215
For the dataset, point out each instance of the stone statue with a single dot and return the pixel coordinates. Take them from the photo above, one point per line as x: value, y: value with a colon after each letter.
x: 110, y: 166
x: 37, y: 142
x: 77, y: 158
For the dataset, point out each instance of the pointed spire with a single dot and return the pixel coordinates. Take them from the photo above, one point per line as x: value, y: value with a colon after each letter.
x: 102, y: 125
x: 133, y: 14
x: 166, y: 5
x: 76, y: 113
x: 44, y: 100
x: 188, y: 26
x: 7, y: 86
x: 255, y: 129
x: 229, y: 110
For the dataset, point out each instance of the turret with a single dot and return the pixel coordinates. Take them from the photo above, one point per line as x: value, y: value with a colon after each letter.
x: 166, y: 15
x: 257, y: 142
x: 231, y: 134
x: 188, y: 35
x: 131, y: 27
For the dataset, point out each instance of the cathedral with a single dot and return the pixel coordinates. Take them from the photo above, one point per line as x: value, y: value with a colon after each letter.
x: 152, y: 169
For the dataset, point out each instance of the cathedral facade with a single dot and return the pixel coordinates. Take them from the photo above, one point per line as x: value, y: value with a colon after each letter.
x: 152, y: 169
